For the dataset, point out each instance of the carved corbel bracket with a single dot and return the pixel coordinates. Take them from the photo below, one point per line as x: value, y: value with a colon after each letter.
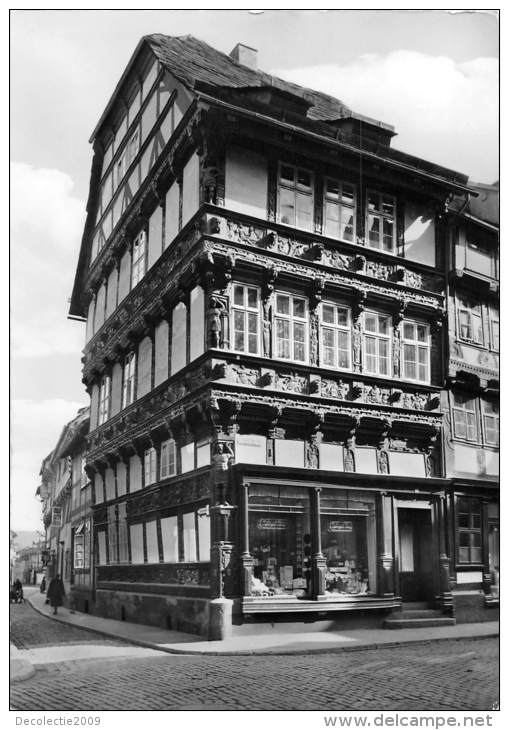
x: 352, y: 429
x: 439, y: 317
x: 358, y: 303
x: 399, y: 312
x: 233, y: 409
x: 385, y: 430
x: 316, y: 293
x: 269, y: 278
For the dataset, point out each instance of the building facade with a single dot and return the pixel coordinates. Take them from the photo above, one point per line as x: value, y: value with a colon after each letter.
x: 265, y: 283
x: 471, y: 403
x: 66, y: 495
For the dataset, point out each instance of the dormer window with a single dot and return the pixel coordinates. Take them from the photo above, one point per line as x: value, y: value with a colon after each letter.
x: 296, y: 200
x: 381, y: 221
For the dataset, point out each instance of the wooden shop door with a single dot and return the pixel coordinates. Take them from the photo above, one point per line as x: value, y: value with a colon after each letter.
x: 415, y: 554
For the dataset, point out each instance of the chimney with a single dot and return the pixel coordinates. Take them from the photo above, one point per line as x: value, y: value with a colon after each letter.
x: 245, y: 55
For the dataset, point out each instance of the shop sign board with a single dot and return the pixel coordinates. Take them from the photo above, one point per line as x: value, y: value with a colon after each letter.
x: 340, y: 526
x: 267, y: 523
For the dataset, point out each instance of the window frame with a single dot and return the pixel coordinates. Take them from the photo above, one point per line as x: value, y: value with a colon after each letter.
x: 246, y: 310
x: 366, y: 334
x: 171, y: 446
x: 379, y: 213
x: 470, y: 530
x: 139, y: 264
x: 129, y: 379
x: 292, y: 319
x: 283, y: 184
x: 461, y: 307
x: 494, y: 317
x: 337, y: 328
x: 341, y: 205
x: 150, y: 466
x: 103, y: 413
x: 458, y: 408
x: 471, y: 244
x: 495, y: 416
x: 416, y: 343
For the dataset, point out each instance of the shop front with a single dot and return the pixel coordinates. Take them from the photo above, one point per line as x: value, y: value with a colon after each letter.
x: 336, y: 544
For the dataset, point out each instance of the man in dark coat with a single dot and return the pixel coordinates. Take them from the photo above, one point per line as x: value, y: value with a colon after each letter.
x: 56, y: 593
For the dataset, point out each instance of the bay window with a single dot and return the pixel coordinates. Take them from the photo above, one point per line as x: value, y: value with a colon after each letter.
x: 295, y: 194
x: 245, y: 324
x: 377, y: 343
x: 339, y: 209
x: 490, y: 418
x: 128, y: 391
x: 138, y: 263
x: 416, y: 351
x: 335, y: 336
x: 381, y: 221
x: 469, y: 530
x: 290, y: 328
x: 464, y: 417
x: 104, y: 399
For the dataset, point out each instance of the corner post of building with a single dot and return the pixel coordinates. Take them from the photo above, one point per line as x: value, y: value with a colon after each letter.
x: 385, y: 542
x: 445, y: 596
x: 318, y: 562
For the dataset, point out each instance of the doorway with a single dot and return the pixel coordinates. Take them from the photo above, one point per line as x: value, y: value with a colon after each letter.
x: 415, y: 553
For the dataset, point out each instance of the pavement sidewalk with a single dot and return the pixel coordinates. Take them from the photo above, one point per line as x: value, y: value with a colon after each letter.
x: 176, y: 642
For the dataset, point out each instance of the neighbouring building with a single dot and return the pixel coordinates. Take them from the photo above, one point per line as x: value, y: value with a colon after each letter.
x: 65, y: 493
x: 265, y: 284
x: 471, y: 402
x: 28, y: 563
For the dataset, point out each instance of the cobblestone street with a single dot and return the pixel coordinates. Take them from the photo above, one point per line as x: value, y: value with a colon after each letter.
x: 451, y: 675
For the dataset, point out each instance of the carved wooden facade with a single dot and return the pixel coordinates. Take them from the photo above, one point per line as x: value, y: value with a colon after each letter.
x: 368, y: 438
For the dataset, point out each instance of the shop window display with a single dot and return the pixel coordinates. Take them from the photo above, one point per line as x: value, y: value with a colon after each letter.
x: 348, y: 542
x: 280, y: 541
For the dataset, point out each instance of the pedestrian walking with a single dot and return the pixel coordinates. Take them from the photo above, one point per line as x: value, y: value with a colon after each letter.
x: 56, y: 593
x: 43, y: 585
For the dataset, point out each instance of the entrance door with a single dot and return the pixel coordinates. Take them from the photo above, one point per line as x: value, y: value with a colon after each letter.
x: 415, y: 554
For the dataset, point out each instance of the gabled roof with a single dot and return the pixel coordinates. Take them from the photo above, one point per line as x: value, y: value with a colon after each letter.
x: 193, y: 62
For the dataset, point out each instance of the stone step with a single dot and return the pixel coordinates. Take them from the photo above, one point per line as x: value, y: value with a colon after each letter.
x: 417, y: 613
x: 418, y: 623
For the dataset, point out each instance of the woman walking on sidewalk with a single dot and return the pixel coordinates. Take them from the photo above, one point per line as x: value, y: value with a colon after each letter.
x: 56, y: 593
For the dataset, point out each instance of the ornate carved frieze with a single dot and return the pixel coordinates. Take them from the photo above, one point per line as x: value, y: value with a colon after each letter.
x: 173, y: 494
x: 326, y: 387
x: 334, y: 256
x: 149, y: 299
x: 417, y: 418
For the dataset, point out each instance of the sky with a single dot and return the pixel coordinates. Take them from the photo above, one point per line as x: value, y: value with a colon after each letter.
x: 433, y: 75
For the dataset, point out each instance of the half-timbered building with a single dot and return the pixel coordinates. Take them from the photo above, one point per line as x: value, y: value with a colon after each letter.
x: 264, y: 280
